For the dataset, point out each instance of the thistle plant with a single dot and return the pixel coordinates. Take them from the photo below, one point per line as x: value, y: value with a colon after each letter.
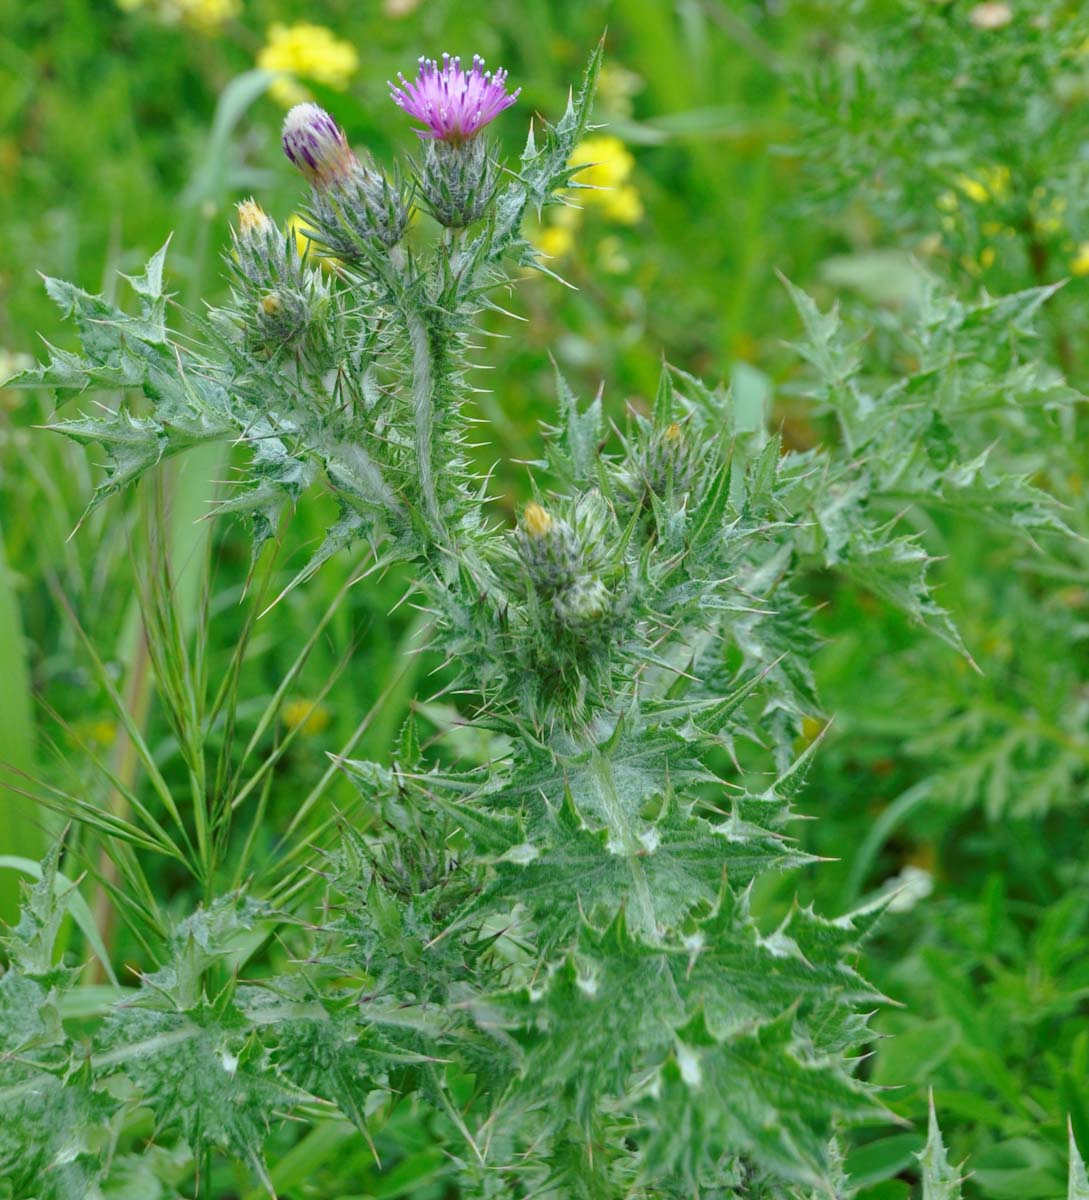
x: 555, y: 952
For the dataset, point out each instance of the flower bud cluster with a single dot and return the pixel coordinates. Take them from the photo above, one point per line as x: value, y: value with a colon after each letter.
x: 352, y: 202
x: 555, y: 560
x: 277, y: 295
x: 664, y: 463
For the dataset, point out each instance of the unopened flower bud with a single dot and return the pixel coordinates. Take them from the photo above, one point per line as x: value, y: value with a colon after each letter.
x: 281, y: 319
x: 661, y: 464
x: 253, y: 222
x: 582, y: 604
x: 316, y: 144
x: 257, y: 244
x: 536, y: 520
x: 352, y: 201
x: 549, y: 550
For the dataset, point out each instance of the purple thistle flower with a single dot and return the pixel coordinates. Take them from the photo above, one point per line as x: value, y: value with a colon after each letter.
x: 316, y: 144
x: 453, y: 104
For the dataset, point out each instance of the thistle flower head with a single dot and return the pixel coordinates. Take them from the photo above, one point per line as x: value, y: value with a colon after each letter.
x: 453, y: 103
x: 536, y: 520
x: 253, y: 221
x: 316, y: 144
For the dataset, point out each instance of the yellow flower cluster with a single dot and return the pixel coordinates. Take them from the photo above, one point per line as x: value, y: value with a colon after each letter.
x: 207, y: 15
x: 310, y: 717
x: 988, y: 183
x: 1079, y: 264
x: 607, y: 171
x: 310, y: 51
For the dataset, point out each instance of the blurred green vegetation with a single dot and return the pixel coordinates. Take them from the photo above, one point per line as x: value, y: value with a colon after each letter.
x: 118, y: 128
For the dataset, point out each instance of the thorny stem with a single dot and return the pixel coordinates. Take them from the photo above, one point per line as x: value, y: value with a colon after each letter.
x: 423, y: 407
x: 423, y: 394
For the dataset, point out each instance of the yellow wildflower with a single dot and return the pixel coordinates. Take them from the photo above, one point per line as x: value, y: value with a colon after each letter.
x: 988, y: 183
x: 608, y: 168
x: 555, y: 241
x: 616, y: 86
x: 812, y: 728
x: 973, y: 189
x: 1048, y: 218
x: 611, y: 257
x: 311, y: 51
x: 304, y: 234
x: 207, y: 15
x: 1079, y: 264
x: 987, y: 257
x: 307, y: 716
x: 307, y: 245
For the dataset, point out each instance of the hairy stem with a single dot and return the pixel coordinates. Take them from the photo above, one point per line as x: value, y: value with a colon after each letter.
x: 423, y: 407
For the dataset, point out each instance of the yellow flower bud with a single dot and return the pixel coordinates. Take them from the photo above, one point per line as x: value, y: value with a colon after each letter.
x: 252, y: 219
x: 536, y: 521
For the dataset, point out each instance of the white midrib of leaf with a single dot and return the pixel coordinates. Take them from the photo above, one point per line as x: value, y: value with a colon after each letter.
x: 624, y: 838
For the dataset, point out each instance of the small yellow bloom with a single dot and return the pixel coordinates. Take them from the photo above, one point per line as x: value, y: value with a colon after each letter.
x: 535, y: 520
x: 609, y: 165
x: 812, y: 728
x: 1079, y: 264
x: 103, y: 732
x: 611, y: 257
x: 554, y: 241
x: 988, y: 183
x: 987, y: 257
x: 307, y: 245
x: 207, y: 15
x: 311, y: 51
x: 973, y: 189
x: 271, y: 304
x: 307, y: 716
x: 304, y: 234
x: 625, y: 206
x: 616, y: 86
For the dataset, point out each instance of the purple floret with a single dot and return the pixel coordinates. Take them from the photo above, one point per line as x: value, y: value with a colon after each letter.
x: 453, y: 104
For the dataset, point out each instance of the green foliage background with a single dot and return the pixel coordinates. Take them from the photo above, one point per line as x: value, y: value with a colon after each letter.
x: 822, y: 141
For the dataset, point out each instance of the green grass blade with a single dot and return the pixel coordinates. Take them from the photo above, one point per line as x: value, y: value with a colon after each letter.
x: 21, y: 834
